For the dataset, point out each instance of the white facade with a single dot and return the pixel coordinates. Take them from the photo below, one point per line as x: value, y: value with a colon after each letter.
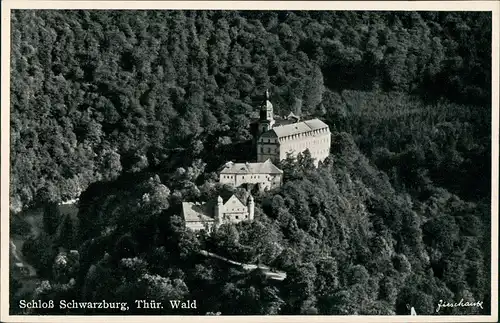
x: 278, y: 142
x: 200, y: 225
x: 198, y: 216
x: 275, y: 141
x: 233, y: 211
x: 265, y: 174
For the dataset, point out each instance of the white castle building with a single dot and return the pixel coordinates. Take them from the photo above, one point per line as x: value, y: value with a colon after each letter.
x: 208, y: 215
x: 264, y: 174
x: 274, y: 141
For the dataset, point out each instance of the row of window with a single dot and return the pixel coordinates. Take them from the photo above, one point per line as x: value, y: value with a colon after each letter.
x: 305, y: 134
x: 237, y: 217
x: 301, y: 146
x: 257, y: 177
x: 307, y: 143
x: 293, y: 137
x: 251, y: 177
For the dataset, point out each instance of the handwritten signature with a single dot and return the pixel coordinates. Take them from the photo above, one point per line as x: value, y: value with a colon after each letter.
x: 459, y: 304
x: 412, y: 310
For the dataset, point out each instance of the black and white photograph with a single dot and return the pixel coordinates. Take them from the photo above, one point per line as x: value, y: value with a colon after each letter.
x: 258, y: 161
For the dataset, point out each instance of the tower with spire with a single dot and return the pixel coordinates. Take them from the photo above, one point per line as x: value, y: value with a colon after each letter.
x: 266, y: 120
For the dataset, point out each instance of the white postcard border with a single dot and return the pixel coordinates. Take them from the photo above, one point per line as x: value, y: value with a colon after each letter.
x: 492, y: 6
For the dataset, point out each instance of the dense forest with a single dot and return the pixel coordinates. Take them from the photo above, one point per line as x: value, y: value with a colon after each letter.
x: 134, y: 111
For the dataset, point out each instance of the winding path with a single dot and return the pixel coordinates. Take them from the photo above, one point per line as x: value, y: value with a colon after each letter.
x: 278, y: 275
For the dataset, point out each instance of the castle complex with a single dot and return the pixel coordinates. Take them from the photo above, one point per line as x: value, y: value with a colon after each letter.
x: 275, y: 140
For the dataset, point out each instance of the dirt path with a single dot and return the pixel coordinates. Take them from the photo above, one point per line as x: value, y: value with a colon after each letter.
x: 279, y: 275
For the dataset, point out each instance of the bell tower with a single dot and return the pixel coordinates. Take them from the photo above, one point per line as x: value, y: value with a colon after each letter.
x: 266, y: 121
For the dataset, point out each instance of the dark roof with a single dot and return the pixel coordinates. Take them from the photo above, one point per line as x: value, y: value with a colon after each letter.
x: 298, y: 128
x: 194, y: 211
x: 266, y: 167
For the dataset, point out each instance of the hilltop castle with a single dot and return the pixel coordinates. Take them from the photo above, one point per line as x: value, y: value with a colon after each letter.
x: 274, y: 140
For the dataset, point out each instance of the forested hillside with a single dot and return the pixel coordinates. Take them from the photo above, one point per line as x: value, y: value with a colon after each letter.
x: 349, y: 243
x: 133, y: 112
x: 98, y: 92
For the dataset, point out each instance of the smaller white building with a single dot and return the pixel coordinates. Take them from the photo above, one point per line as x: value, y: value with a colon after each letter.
x: 210, y: 215
x: 264, y: 174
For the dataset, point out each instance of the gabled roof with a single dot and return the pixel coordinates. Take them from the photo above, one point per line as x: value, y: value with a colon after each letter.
x: 234, y: 205
x: 266, y: 167
x: 203, y: 212
x: 298, y: 128
x: 292, y: 115
x: 194, y: 212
